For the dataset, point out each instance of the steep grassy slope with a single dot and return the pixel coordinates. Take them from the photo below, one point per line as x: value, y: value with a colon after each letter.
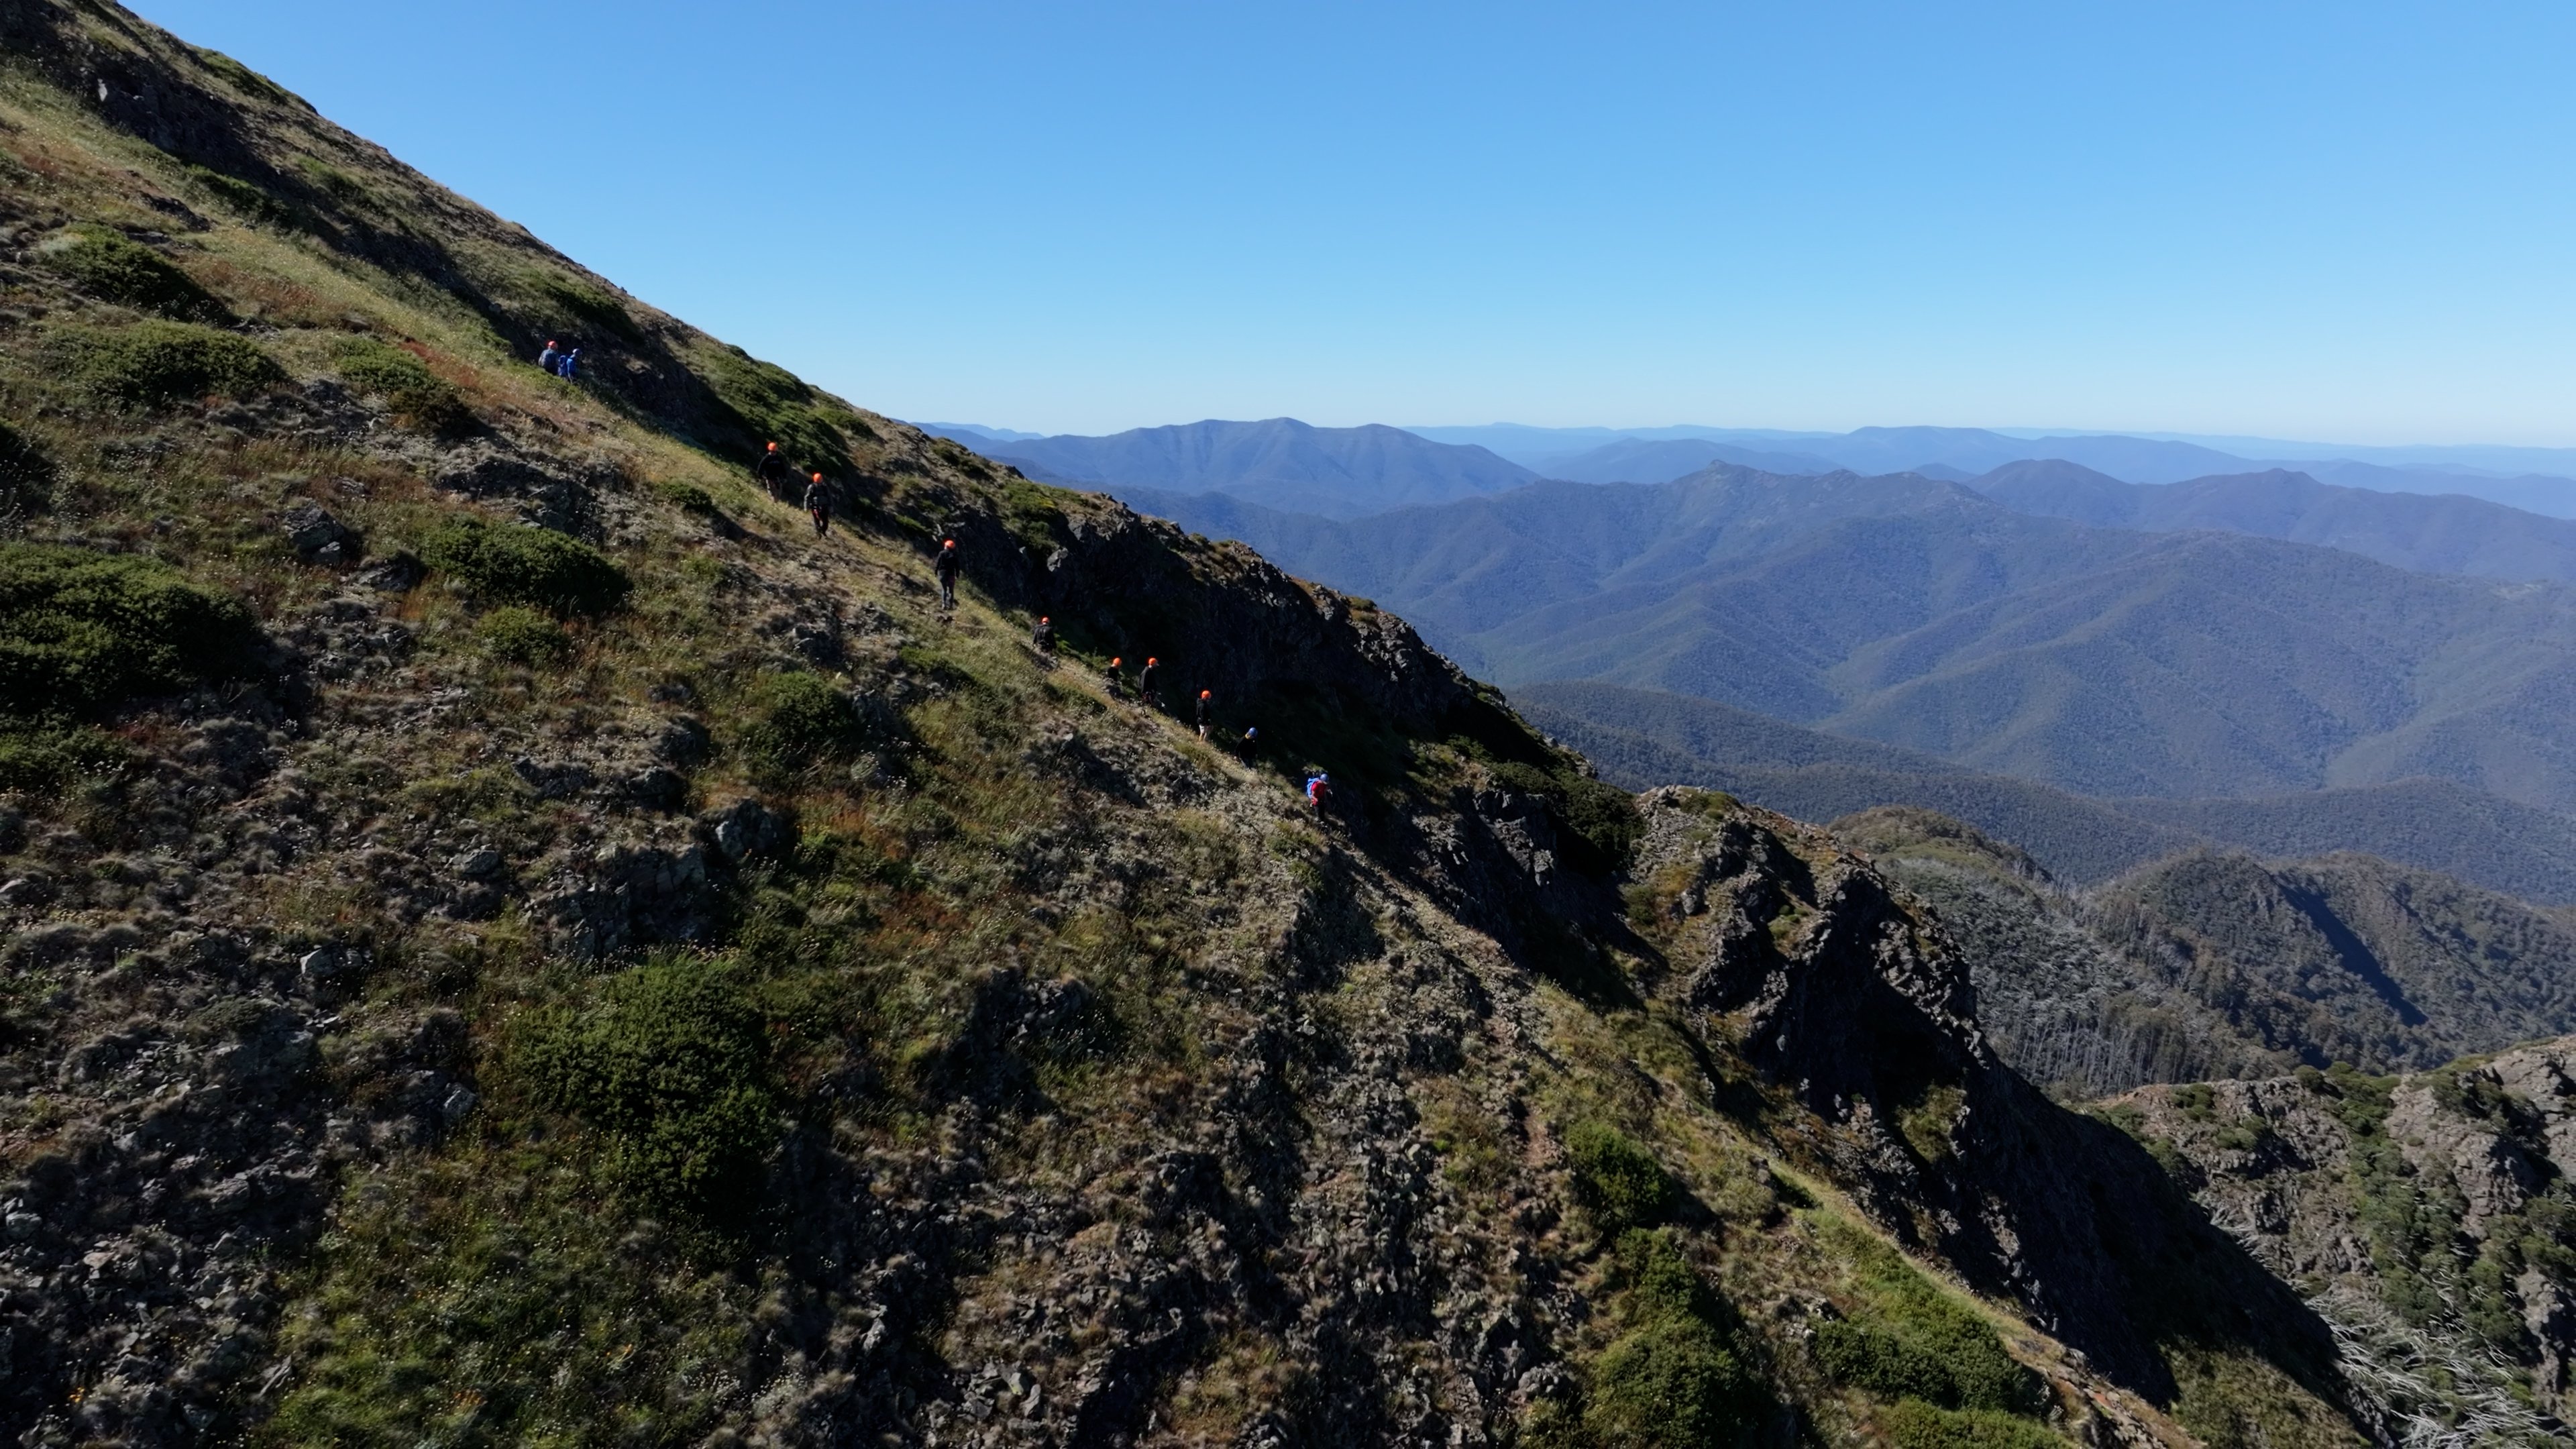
x: 585, y: 961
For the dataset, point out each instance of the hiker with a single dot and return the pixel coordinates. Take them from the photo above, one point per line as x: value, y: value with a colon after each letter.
x: 1116, y: 678
x: 818, y: 501
x: 570, y: 365
x: 772, y: 473
x: 546, y: 359
x: 1145, y: 694
x: 945, y: 566
x: 1042, y: 637
x: 1207, y: 712
x: 1319, y: 787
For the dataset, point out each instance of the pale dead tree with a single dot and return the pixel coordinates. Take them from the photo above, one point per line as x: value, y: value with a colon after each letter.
x: 2432, y: 1393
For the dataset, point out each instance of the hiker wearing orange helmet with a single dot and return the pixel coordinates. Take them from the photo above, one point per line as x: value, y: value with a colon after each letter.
x: 1116, y: 677
x: 1207, y: 712
x: 946, y: 567
x: 818, y: 502
x: 1042, y: 637
x: 546, y: 359
x: 1145, y: 694
x: 772, y: 473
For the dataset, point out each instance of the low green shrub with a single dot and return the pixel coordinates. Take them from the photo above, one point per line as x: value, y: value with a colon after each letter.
x: 516, y: 634
x: 243, y: 198
x: 1670, y: 1383
x: 42, y: 758
x: 26, y: 476
x: 564, y: 302
x: 519, y: 564
x: 83, y: 631
x: 421, y: 397
x: 1910, y: 1340
x: 157, y: 364
x: 688, y: 498
x: 1619, y: 1180
x: 797, y: 721
x: 111, y: 265
x: 1914, y: 1424
x: 672, y: 1061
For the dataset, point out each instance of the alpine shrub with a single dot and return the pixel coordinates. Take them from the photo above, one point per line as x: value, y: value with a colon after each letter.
x: 520, y: 564
x: 421, y: 397
x: 672, y: 1061
x: 797, y: 720
x: 111, y: 265
x: 156, y: 364
x: 26, y: 475
x: 46, y: 757
x: 1620, y: 1181
x: 1670, y: 1383
x: 82, y: 632
x: 517, y: 634
x: 1911, y: 1341
x: 1917, y: 1425
x: 1603, y: 818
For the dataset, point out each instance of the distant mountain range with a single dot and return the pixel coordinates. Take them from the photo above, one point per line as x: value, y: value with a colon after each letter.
x: 2109, y: 661
x: 1641, y: 738
x: 1280, y: 463
x: 1350, y: 472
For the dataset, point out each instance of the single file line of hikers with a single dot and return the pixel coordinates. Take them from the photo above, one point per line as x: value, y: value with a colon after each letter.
x: 778, y: 477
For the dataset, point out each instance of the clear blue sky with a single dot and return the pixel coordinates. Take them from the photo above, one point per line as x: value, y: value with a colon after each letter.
x: 2347, y: 221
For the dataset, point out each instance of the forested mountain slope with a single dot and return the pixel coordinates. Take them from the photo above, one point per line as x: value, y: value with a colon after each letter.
x: 1641, y: 738
x: 2211, y: 964
x: 2442, y: 534
x: 1918, y: 613
x: 511, y: 938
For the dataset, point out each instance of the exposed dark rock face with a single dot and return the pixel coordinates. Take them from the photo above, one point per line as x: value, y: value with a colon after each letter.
x: 1863, y: 1008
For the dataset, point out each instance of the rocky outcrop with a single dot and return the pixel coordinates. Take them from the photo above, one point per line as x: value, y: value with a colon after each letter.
x: 1861, y: 1009
x: 2429, y: 1217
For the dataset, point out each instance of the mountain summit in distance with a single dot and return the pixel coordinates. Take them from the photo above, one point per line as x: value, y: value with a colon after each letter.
x: 1279, y: 463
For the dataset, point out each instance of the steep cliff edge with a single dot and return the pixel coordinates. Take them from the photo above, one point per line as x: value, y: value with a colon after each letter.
x: 511, y: 938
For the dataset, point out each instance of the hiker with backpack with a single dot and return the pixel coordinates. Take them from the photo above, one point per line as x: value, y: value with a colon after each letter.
x: 1207, y: 712
x: 570, y: 366
x: 945, y: 566
x: 1319, y: 789
x: 818, y: 502
x: 772, y: 473
x: 1116, y: 677
x: 1042, y: 637
x: 546, y: 359
x: 1145, y: 694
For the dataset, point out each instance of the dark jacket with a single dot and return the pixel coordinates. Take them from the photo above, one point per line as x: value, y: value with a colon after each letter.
x: 818, y: 497
x: 946, y: 563
x: 772, y: 469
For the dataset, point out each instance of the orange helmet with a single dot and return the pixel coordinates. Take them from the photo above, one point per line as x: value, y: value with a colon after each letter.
x: 948, y: 543
x: 773, y: 447
x: 1150, y: 659
x: 1203, y: 694
x: 818, y: 477
x: 1115, y: 661
x: 1042, y: 619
